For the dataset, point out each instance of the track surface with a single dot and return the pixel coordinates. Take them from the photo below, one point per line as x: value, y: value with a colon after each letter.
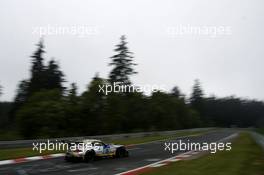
x: 140, y: 155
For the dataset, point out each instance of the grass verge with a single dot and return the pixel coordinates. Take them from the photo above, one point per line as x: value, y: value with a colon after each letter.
x: 28, y: 152
x: 245, y: 158
x: 260, y: 130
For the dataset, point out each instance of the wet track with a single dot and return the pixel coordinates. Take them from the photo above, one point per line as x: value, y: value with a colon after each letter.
x: 140, y: 155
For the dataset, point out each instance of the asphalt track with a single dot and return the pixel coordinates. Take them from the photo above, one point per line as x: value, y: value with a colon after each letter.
x: 140, y: 155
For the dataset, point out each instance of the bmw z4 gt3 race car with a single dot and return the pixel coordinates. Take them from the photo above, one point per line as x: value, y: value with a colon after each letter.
x: 90, y: 149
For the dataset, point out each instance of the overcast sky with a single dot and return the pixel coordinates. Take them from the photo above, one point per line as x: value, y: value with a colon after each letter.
x: 229, y: 62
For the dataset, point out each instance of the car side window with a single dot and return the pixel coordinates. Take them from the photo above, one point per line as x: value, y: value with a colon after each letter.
x: 98, y: 144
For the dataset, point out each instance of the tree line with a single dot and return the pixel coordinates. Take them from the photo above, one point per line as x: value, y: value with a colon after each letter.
x: 44, y: 107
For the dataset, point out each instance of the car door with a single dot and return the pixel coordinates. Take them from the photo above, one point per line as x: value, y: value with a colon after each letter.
x: 107, y: 149
x: 98, y: 148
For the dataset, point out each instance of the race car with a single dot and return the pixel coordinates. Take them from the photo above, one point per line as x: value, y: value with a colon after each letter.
x: 90, y: 149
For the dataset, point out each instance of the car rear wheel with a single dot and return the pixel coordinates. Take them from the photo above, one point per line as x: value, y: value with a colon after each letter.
x: 121, y: 152
x: 68, y: 159
x: 89, y: 156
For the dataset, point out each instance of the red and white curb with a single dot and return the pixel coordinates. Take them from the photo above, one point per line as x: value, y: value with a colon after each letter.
x: 44, y: 157
x: 28, y: 159
x: 159, y: 164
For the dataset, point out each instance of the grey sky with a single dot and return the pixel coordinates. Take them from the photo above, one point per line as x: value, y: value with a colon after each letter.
x: 226, y: 64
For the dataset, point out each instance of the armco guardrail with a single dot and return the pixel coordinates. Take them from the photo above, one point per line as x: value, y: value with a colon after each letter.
x: 259, y: 138
x: 28, y: 143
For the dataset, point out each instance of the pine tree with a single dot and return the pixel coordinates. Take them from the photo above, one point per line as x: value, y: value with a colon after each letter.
x: 197, y: 94
x: 44, y: 77
x: 22, y: 92
x: 22, y: 95
x: 37, y: 80
x: 54, y: 77
x: 175, y: 92
x: 92, y: 107
x: 72, y: 96
x: 122, y: 63
x: 72, y: 111
x: 1, y: 89
x: 197, y: 98
x: 41, y: 78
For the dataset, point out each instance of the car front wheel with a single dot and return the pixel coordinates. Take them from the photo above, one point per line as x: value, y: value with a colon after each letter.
x: 89, y: 156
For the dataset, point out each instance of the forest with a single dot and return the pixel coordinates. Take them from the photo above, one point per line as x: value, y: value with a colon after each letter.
x: 43, y: 107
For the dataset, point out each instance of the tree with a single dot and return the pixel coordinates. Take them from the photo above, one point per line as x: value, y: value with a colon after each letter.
x: 136, y: 112
x: 73, y: 93
x: 92, y: 107
x: 35, y: 83
x: 54, y: 77
x: 41, y: 78
x: 122, y: 63
x: 175, y: 92
x: 1, y: 89
x: 22, y: 92
x: 196, y: 98
x: 232, y: 111
x: 38, y: 79
x: 5, y: 108
x: 164, y: 112
x: 22, y: 95
x: 43, y: 115
x: 72, y: 111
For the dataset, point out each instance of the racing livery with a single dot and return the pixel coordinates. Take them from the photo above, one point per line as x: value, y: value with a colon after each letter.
x: 90, y: 149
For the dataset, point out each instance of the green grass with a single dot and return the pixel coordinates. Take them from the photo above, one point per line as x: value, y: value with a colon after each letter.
x: 9, y: 135
x: 245, y: 158
x: 27, y: 152
x: 260, y: 130
x: 21, y: 152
